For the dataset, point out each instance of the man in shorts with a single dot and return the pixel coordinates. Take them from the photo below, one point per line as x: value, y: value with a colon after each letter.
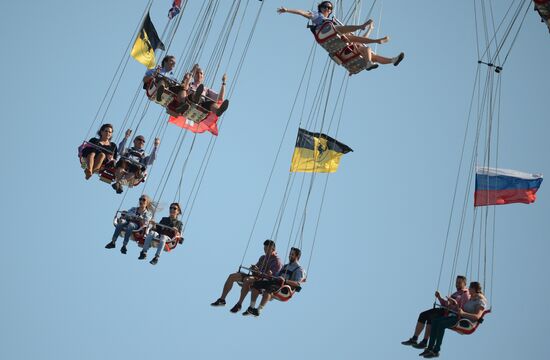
x: 268, y: 264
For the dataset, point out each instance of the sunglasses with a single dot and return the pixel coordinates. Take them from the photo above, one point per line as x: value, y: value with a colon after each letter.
x: 140, y: 140
x: 143, y: 199
x: 174, y: 208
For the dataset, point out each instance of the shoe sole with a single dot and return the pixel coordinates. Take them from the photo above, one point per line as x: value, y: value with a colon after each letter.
x: 399, y: 59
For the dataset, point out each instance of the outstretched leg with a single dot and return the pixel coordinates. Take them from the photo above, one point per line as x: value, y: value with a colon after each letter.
x: 366, y: 40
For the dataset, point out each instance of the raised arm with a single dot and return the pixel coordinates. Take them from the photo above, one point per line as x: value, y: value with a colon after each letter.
x: 306, y: 14
x: 122, y: 144
x: 221, y: 95
x: 149, y: 160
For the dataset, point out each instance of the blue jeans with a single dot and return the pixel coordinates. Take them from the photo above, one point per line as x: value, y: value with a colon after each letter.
x: 149, y: 239
x: 438, y: 330
x: 127, y: 227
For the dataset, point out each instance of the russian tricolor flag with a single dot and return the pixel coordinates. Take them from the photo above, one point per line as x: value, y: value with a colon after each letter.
x: 501, y: 186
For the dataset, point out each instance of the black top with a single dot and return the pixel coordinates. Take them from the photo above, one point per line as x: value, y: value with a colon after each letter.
x: 172, y: 223
x: 111, y: 148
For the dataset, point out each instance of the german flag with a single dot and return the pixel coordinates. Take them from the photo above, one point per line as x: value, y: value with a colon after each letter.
x: 317, y: 152
x: 146, y: 44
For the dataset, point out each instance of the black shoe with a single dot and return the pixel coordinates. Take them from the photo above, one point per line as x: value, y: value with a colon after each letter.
x: 123, y: 249
x: 411, y: 341
x: 251, y: 311
x: 421, y: 345
x: 431, y: 354
x: 160, y: 91
x: 222, y: 108
x: 118, y: 188
x: 196, y: 98
x: 154, y: 261
x: 400, y: 57
x: 219, y: 302
x: 371, y: 66
x: 183, y: 107
x: 425, y: 352
x: 110, y: 245
x: 236, y: 308
x: 142, y: 255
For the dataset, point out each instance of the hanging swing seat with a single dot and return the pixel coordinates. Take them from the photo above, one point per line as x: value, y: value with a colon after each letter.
x: 285, y: 291
x: 466, y: 326
x: 175, y: 237
x: 168, y: 96
x: 194, y: 112
x: 543, y: 8
x: 123, y: 217
x: 106, y: 172
x: 339, y: 48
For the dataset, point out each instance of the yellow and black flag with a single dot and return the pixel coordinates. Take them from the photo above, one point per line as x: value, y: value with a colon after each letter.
x: 317, y: 152
x: 146, y: 44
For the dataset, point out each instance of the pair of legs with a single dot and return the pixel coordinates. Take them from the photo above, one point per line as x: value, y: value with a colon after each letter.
x: 128, y: 228
x: 365, y: 51
x: 126, y: 172
x: 196, y: 98
x: 247, y: 282
x: 94, y: 161
x: 438, y: 330
x: 148, y: 242
x: 424, y: 319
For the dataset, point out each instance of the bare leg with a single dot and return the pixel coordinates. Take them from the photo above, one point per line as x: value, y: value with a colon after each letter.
x: 419, y: 328
x: 254, y: 295
x: 428, y: 331
x: 346, y: 29
x: 381, y: 59
x: 90, y: 164
x: 366, y: 40
x: 247, y: 283
x: 265, y: 299
x: 99, y: 162
x: 229, y: 284
x: 366, y: 52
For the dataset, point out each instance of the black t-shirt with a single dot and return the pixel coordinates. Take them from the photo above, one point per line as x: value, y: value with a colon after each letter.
x: 111, y: 148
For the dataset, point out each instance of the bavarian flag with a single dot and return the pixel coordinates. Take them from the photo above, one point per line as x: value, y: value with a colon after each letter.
x: 146, y: 44
x: 317, y: 152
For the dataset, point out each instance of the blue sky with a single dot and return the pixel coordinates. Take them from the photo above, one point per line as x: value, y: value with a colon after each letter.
x: 379, y: 245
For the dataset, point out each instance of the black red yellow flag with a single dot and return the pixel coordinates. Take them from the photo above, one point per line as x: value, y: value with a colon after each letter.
x: 146, y: 43
x: 317, y: 152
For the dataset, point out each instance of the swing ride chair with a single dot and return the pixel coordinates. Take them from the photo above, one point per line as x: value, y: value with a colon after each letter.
x: 284, y: 293
x: 339, y: 48
x: 107, y: 170
x: 465, y: 326
x: 543, y: 8
x: 136, y: 180
x: 137, y: 235
x: 140, y: 234
x: 169, y: 101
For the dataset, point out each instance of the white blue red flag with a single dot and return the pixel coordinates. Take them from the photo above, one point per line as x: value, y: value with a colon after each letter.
x: 501, y: 186
x: 175, y: 9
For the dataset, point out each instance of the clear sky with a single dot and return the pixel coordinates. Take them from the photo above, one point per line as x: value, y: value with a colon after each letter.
x: 381, y: 235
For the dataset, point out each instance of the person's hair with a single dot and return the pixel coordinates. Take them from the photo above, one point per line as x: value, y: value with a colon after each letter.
x: 323, y: 5
x: 477, y: 287
x: 297, y: 252
x: 461, y: 277
x: 269, y: 243
x: 178, y: 206
x: 166, y: 58
x: 103, y: 127
x: 151, y: 205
